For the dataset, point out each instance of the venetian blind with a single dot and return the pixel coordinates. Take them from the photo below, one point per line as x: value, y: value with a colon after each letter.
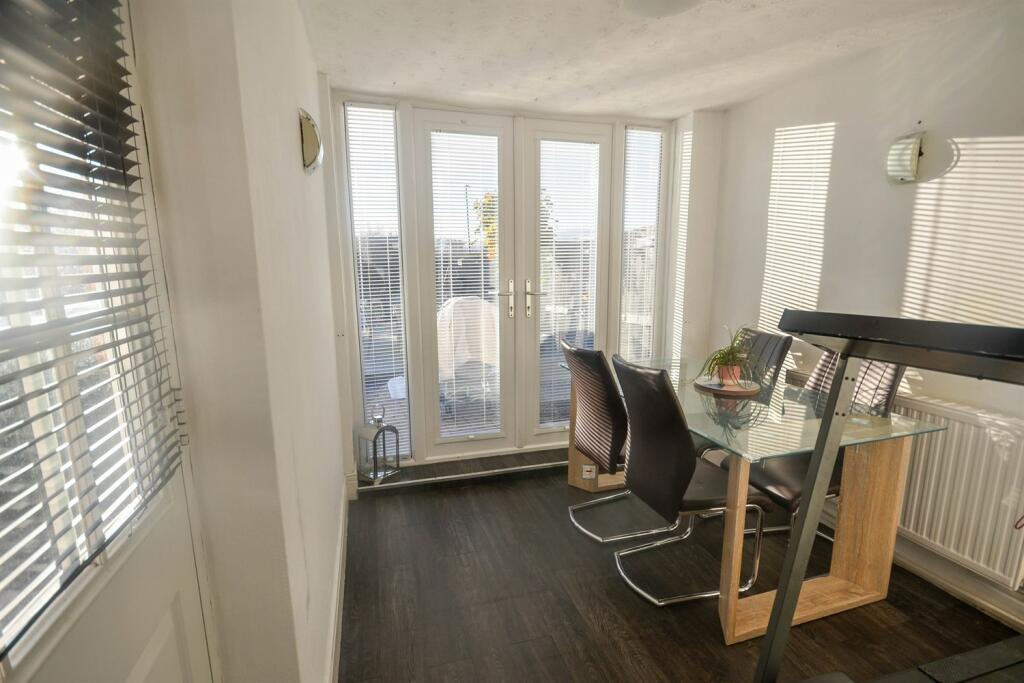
x: 685, y: 161
x: 641, y: 209
x: 88, y: 427
x: 569, y: 212
x: 370, y: 134
x: 465, y: 205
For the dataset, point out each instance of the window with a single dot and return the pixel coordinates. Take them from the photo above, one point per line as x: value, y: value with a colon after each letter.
x: 641, y: 209
x: 801, y: 163
x: 682, y: 233
x: 88, y: 429
x: 376, y: 243
x: 466, y: 203
x: 685, y: 156
x: 569, y: 210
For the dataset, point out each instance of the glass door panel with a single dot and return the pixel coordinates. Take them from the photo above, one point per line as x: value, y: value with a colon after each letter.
x: 569, y: 215
x: 466, y: 219
x: 563, y: 233
x: 466, y: 264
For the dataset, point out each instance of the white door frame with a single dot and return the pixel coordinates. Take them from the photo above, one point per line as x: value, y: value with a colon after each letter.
x: 428, y: 121
x: 529, y: 133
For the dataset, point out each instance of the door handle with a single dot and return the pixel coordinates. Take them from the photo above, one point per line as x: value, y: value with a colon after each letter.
x: 511, y: 294
x: 529, y: 298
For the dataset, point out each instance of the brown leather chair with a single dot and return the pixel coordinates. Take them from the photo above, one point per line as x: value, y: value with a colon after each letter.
x: 664, y: 471
x: 782, y: 479
x: 600, y: 429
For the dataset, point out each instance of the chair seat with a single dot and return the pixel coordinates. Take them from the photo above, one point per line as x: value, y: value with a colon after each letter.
x: 709, y: 488
x: 702, y: 445
x: 782, y: 479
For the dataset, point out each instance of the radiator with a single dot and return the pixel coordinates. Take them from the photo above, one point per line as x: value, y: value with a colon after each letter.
x: 965, y: 488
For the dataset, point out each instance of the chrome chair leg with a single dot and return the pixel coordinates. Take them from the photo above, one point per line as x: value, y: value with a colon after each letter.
x: 686, y: 597
x: 616, y: 537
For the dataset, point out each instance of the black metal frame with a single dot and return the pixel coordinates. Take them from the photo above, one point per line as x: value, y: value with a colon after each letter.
x: 982, y: 351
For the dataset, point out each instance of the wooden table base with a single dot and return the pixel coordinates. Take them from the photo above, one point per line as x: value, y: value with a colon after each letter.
x: 871, y: 498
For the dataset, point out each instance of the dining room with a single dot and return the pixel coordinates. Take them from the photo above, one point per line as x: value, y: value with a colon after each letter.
x: 701, y: 398
x: 552, y: 340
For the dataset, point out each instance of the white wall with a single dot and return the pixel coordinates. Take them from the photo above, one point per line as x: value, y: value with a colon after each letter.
x: 278, y: 75
x: 958, y: 80
x: 246, y: 244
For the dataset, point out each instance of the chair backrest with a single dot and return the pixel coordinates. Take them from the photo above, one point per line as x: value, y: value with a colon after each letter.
x: 600, y: 430
x: 877, y: 382
x: 766, y: 353
x: 662, y: 457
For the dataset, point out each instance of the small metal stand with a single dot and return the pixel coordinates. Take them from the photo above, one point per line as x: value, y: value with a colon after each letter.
x: 375, y: 460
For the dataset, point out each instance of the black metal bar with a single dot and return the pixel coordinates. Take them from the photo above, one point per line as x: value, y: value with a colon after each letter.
x: 801, y: 540
x: 982, y: 351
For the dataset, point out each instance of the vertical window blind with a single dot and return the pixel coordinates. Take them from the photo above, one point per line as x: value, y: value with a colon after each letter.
x: 569, y: 212
x: 641, y: 209
x: 685, y: 161
x: 465, y: 201
x: 88, y: 418
x: 370, y: 132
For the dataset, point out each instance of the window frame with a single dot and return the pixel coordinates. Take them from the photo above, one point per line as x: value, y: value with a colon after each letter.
x: 412, y: 224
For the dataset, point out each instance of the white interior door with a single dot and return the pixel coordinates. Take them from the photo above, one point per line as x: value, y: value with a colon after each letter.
x: 467, y: 295
x: 562, y: 235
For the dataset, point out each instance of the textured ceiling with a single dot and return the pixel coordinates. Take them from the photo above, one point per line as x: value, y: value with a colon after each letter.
x: 602, y: 57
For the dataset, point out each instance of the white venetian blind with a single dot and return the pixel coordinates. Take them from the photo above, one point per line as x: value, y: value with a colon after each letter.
x: 88, y: 418
x: 370, y: 134
x: 641, y: 209
x: 801, y: 163
x: 685, y: 156
x: 569, y: 211
x: 465, y: 206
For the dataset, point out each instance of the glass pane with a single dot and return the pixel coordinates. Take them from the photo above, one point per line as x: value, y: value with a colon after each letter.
x: 373, y: 180
x: 464, y: 175
x: 782, y: 421
x: 682, y: 234
x: 568, y: 222
x: 641, y: 209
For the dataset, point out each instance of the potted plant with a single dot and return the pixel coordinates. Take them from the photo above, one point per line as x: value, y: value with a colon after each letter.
x: 729, y: 363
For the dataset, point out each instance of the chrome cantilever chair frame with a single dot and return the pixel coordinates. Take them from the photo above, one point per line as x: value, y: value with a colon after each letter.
x: 758, y: 532
x: 616, y: 537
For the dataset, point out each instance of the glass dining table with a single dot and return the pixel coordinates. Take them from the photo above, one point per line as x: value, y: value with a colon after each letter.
x: 781, y: 421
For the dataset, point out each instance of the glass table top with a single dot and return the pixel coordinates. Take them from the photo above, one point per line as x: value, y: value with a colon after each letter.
x: 782, y: 420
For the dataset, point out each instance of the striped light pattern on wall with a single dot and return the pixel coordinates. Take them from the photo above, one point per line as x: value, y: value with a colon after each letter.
x: 801, y: 163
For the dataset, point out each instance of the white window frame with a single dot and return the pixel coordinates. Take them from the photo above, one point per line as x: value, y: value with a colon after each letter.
x: 414, y: 268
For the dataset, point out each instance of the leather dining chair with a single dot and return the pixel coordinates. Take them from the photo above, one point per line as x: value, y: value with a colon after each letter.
x: 782, y: 479
x: 766, y: 353
x: 600, y: 429
x: 665, y: 473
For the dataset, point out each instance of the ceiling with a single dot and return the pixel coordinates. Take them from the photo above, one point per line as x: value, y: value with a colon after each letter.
x: 599, y: 57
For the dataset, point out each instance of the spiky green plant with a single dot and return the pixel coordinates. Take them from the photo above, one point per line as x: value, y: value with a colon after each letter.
x: 733, y: 354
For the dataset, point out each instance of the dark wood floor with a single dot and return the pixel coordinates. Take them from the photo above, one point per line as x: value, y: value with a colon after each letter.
x: 487, y: 580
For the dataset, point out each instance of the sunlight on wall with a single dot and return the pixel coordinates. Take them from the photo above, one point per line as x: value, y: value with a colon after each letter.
x: 966, y: 258
x: 801, y: 161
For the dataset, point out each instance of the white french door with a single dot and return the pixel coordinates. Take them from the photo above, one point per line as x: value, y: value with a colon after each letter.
x: 467, y: 297
x: 511, y: 244
x: 562, y: 237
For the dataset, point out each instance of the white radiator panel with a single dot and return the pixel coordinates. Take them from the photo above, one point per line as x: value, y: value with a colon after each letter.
x: 965, y: 488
